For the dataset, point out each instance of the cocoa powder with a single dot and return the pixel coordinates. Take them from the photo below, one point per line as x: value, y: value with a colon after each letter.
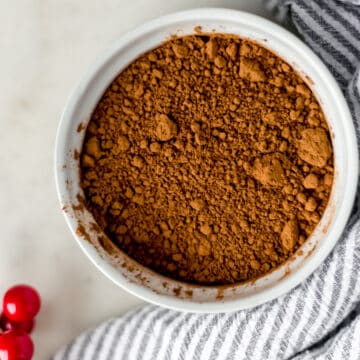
x: 208, y: 159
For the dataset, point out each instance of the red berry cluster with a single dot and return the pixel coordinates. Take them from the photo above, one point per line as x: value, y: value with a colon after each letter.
x: 21, y: 303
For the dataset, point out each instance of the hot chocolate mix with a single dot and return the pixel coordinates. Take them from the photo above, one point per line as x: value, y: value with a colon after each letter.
x: 208, y: 159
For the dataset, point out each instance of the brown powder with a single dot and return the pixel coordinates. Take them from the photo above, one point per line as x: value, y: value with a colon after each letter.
x: 208, y: 159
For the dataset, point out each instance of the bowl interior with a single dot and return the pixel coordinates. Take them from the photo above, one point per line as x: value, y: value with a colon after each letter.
x: 145, y: 283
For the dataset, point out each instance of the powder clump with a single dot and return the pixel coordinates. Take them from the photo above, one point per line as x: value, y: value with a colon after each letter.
x: 166, y: 129
x: 268, y: 171
x: 251, y: 70
x: 314, y: 147
x: 290, y: 235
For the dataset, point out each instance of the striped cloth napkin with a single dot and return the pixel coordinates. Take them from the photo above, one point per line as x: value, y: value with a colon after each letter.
x: 319, y: 319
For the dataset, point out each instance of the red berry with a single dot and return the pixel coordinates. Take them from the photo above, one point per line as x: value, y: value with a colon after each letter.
x: 21, y: 303
x: 16, y: 345
x: 7, y: 324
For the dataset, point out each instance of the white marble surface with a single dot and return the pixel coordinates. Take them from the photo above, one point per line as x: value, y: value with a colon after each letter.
x: 45, y: 46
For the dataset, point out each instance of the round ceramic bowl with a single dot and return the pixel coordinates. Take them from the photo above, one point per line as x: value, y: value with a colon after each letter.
x: 145, y: 283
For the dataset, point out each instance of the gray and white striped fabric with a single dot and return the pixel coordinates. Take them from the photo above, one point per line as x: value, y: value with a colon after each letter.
x: 320, y: 319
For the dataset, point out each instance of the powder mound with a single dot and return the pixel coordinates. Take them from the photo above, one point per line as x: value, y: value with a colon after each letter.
x: 314, y: 147
x: 208, y: 160
x: 166, y: 129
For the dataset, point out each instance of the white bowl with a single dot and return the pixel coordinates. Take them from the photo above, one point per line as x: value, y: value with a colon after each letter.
x: 154, y: 287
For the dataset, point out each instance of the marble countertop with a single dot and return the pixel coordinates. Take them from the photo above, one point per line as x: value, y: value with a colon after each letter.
x: 45, y: 47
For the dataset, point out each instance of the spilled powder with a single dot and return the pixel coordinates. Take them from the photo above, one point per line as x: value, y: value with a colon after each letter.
x: 208, y: 159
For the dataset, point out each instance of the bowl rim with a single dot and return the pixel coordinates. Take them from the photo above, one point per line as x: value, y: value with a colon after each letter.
x: 288, y: 282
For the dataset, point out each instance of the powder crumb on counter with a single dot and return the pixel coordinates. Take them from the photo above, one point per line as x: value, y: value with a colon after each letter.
x: 208, y: 159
